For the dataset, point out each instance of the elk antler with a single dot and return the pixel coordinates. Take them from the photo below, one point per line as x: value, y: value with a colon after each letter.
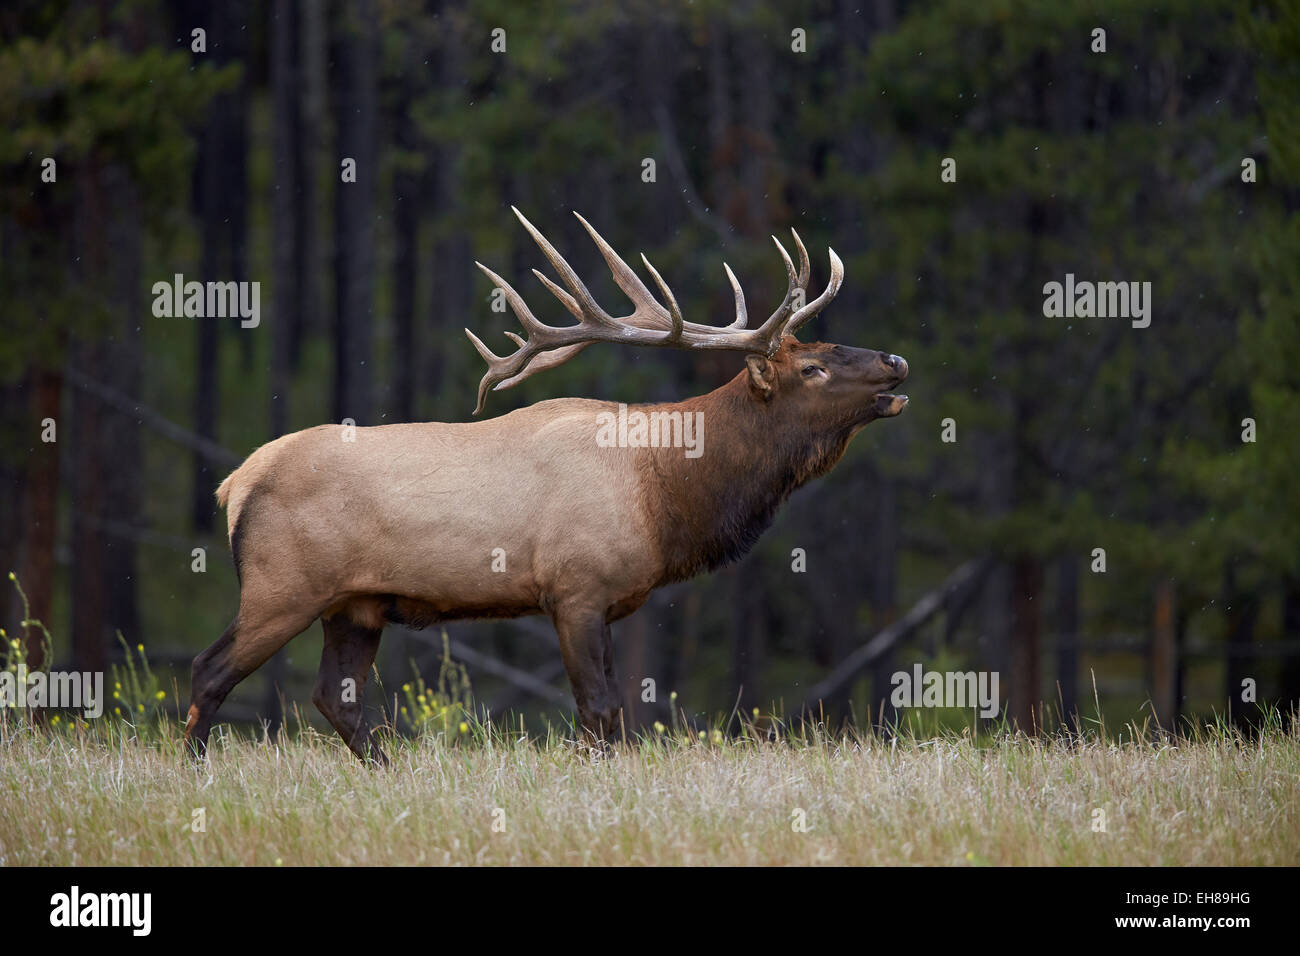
x: 649, y: 323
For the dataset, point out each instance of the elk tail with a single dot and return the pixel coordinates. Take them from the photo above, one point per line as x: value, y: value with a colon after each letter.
x: 223, y: 490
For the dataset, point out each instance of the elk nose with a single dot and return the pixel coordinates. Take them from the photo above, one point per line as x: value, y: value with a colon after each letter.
x: 896, y: 362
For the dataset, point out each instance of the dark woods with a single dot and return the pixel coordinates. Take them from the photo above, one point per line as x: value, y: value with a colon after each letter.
x: 1068, y: 498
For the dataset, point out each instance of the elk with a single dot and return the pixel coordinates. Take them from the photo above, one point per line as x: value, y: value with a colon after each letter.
x: 529, y: 513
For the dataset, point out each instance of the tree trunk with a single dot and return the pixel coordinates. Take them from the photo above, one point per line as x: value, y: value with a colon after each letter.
x: 1026, y: 643
x: 406, y: 224
x: 634, y: 666
x: 90, y: 459
x: 758, y: 154
x: 1242, y: 612
x: 41, y: 500
x: 235, y: 164
x: 122, y: 438
x: 310, y: 256
x: 746, y: 635
x: 1290, y: 684
x: 453, y: 266
x: 89, y: 563
x: 884, y: 597
x: 211, y: 214
x: 1164, y: 656
x: 284, y: 205
x: 19, y: 436
x: 354, y: 225
x: 220, y: 180
x: 1067, y: 637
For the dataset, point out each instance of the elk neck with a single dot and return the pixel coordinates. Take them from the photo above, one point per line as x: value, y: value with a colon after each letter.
x: 709, y: 511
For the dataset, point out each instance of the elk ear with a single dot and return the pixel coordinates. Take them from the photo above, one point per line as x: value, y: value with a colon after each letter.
x: 762, y: 374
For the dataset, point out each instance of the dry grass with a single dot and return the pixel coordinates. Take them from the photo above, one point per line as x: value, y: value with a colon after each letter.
x: 112, y: 799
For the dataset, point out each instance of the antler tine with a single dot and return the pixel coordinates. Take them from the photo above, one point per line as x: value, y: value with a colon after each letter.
x: 496, y: 363
x: 816, y: 305
x: 805, y: 266
x: 783, y: 310
x: 674, y: 311
x: 580, y: 293
x: 516, y: 301
x: 624, y: 277
x: 493, y: 361
x: 568, y: 301
x: 742, y: 316
x: 789, y: 266
x: 488, y: 355
x: 627, y: 280
x: 797, y: 283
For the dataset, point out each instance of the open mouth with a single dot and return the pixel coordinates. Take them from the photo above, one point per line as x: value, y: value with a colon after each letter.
x: 894, y: 384
x: 887, y: 404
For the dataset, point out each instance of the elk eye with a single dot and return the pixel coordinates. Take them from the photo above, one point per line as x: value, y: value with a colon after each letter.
x: 810, y: 370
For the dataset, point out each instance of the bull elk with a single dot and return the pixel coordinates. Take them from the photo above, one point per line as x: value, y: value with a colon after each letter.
x: 401, y: 523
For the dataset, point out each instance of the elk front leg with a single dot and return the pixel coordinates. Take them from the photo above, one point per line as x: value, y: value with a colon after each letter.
x: 588, y: 651
x: 348, y: 655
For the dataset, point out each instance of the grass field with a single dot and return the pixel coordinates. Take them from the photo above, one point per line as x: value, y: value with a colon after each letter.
x: 493, y: 798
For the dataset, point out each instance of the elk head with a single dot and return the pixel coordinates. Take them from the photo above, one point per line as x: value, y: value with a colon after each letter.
x: 830, y: 387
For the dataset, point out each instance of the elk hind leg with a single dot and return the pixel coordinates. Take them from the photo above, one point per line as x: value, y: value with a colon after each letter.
x: 246, y: 645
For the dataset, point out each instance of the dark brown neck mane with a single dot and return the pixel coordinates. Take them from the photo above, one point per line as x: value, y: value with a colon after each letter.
x: 711, y: 510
